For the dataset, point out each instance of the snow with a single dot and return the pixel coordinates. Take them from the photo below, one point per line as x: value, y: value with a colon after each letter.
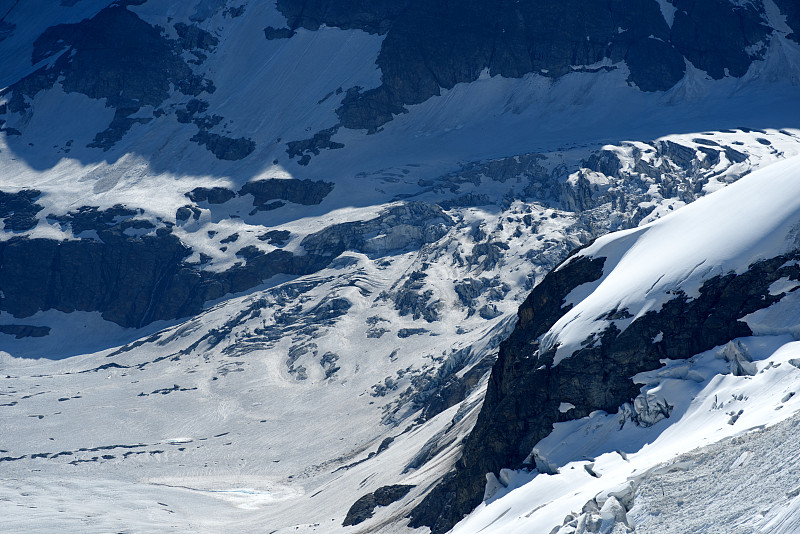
x: 668, y: 10
x: 71, y: 334
x: 278, y: 436
x: 775, y: 18
x: 625, y: 455
x: 755, y: 218
x: 783, y: 317
x: 749, y: 384
x: 155, y: 163
x: 31, y: 19
x: 754, y: 475
x: 342, y: 58
x: 218, y: 451
x: 253, y: 447
x: 782, y: 285
x: 564, y: 407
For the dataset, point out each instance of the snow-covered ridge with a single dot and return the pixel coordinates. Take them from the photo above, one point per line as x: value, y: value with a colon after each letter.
x: 755, y: 218
x: 607, y: 472
x: 716, y: 464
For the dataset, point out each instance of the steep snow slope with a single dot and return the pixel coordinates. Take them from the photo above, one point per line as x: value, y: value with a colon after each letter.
x: 591, y: 470
x: 755, y: 219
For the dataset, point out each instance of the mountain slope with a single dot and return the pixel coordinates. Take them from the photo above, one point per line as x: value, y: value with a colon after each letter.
x: 712, y: 282
x: 257, y: 258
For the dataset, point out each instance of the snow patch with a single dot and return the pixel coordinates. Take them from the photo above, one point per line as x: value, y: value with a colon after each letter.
x: 668, y: 10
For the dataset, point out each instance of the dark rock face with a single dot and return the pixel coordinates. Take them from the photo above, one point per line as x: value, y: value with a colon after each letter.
x: 277, y: 33
x: 114, y: 55
x: 184, y: 213
x: 193, y: 107
x: 233, y: 238
x: 118, y: 57
x: 192, y: 37
x: 714, y: 35
x: 226, y: 148
x: 452, y: 390
x: 134, y: 278
x: 118, y: 278
x: 212, y: 195
x: 6, y: 29
x: 408, y: 332
x: 654, y: 65
x: 460, y: 492
x: 413, y: 299
x: 525, y: 389
x: 104, y: 222
x: 277, y: 238
x: 131, y: 281
x: 466, y: 201
x: 267, y: 194
x: 108, y: 44
x: 409, y: 225
x: 20, y: 331
x: 373, y: 16
x: 18, y: 210
x: 434, y: 45
x: 428, y: 47
x: 678, y: 171
x: 791, y: 9
x: 364, y: 507
x: 305, y: 192
x: 320, y: 141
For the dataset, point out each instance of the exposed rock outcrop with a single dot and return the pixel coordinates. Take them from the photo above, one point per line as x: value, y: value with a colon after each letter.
x: 115, y: 56
x: 364, y: 507
x: 433, y: 46
x: 118, y: 57
x: 125, y: 268
x: 20, y: 331
x: 792, y: 11
x: 212, y: 195
x: 18, y: 210
x: 134, y: 272
x: 224, y: 147
x: 305, y: 192
x: 407, y: 225
x: 319, y: 141
x: 272, y: 33
x: 526, y: 388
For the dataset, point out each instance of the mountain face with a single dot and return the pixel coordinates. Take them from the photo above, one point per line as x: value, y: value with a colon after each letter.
x: 433, y: 47
x: 658, y: 304
x: 138, y: 68
x: 371, y: 266
x: 683, y: 308
x: 148, y: 75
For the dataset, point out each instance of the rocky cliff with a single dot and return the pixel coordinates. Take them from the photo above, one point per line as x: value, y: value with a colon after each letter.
x: 433, y: 46
x: 531, y: 379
